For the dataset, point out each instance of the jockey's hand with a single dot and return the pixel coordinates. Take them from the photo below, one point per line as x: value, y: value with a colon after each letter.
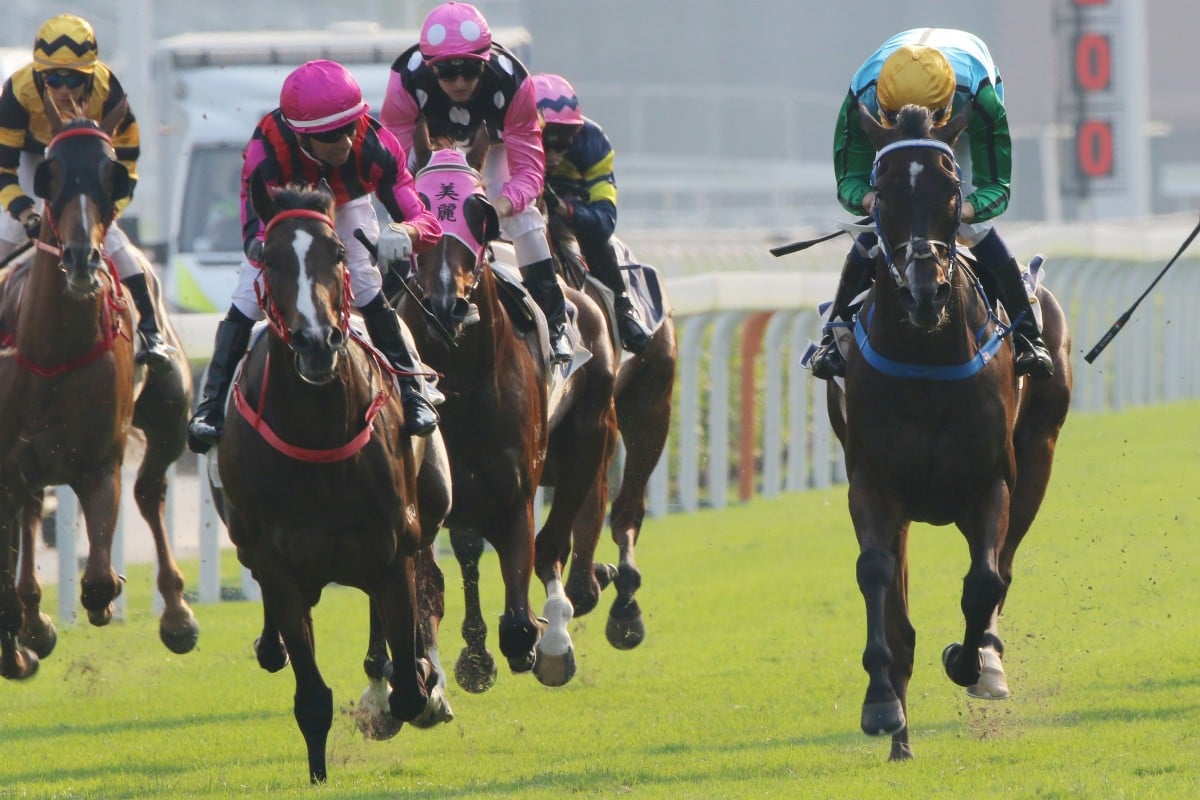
x: 31, y: 221
x: 968, y: 212
x: 254, y: 251
x: 504, y: 207
x: 394, y: 245
x: 868, y: 203
x: 555, y: 204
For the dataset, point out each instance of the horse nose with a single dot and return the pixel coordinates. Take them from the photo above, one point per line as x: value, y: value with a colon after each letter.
x: 334, y: 338
x: 80, y: 262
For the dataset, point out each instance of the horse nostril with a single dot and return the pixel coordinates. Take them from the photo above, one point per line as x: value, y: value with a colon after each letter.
x: 335, y: 338
x: 943, y: 292
x: 93, y: 258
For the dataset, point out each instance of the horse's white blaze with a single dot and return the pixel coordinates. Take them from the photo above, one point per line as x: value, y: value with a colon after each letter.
x: 304, y: 301
x: 556, y: 641
x: 914, y: 169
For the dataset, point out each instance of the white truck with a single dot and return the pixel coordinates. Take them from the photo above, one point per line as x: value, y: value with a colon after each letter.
x: 210, y: 90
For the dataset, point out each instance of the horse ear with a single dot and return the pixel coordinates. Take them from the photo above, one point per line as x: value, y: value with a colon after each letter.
x: 114, y: 117
x: 949, y: 132
x: 330, y: 198
x: 481, y: 218
x: 261, y: 198
x: 422, y: 147
x: 876, y: 132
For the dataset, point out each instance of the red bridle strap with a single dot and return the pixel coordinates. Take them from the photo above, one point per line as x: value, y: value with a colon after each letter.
x: 70, y: 132
x: 305, y: 453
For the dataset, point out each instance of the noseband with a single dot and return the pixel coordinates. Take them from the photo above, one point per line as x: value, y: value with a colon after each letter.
x: 916, y: 248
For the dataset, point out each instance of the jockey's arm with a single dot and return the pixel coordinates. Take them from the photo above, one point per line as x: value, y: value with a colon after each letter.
x: 14, y: 121
x: 991, y: 156
x: 400, y: 112
x: 853, y: 156
x: 398, y: 193
x: 523, y: 149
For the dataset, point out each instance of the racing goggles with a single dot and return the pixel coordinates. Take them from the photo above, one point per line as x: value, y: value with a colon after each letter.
x: 469, y: 69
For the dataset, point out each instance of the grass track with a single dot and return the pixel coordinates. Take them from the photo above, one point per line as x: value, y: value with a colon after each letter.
x: 748, y: 685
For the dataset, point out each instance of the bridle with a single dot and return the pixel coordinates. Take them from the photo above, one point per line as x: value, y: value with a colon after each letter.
x: 920, y: 247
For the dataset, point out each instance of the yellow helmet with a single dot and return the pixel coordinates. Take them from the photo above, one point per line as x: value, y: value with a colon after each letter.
x: 65, y: 42
x: 916, y: 75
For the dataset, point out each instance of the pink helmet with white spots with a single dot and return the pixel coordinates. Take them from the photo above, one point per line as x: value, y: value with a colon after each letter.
x: 320, y: 96
x: 455, y: 30
x: 556, y: 100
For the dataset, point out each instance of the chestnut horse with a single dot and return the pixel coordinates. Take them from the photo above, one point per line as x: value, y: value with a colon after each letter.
x: 509, y: 428
x: 69, y: 393
x: 319, y: 483
x: 643, y: 401
x: 935, y: 425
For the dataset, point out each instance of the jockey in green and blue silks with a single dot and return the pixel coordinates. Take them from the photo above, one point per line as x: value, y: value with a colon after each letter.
x: 945, y: 71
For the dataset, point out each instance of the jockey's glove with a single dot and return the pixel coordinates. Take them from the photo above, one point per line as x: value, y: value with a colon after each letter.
x: 394, y: 245
x: 254, y: 251
x: 33, y: 226
x: 555, y: 204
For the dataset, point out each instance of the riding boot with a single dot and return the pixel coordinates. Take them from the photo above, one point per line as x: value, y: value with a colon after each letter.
x: 420, y: 417
x: 233, y: 336
x: 1031, y: 355
x: 541, y: 281
x: 827, y: 362
x: 603, y: 265
x: 155, y: 353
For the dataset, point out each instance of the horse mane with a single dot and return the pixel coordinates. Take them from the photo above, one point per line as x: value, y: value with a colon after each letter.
x: 304, y: 196
x: 915, y: 122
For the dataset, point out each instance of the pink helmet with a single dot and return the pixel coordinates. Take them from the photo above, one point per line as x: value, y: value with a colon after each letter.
x: 320, y: 96
x: 556, y: 100
x: 455, y: 30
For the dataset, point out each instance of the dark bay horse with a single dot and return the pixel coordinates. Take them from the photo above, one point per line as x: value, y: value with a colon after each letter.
x: 319, y: 483
x: 505, y: 422
x: 69, y: 393
x: 935, y: 425
x: 642, y: 396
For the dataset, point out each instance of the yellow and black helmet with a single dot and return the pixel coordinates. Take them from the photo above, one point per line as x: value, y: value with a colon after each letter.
x: 916, y: 75
x: 65, y: 42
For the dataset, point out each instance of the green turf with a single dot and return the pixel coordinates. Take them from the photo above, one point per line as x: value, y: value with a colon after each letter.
x: 748, y: 685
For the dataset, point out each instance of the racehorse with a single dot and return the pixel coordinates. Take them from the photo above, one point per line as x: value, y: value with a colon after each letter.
x: 643, y: 402
x: 935, y: 425
x: 318, y: 482
x: 69, y: 393
x: 509, y: 428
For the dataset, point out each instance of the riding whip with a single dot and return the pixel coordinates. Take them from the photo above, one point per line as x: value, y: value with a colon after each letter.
x: 367, y: 243
x: 11, y: 257
x: 796, y: 247
x: 1120, y: 323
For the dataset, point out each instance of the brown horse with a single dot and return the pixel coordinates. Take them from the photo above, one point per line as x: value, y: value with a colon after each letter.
x: 935, y: 425
x: 509, y: 428
x: 69, y: 393
x: 643, y: 401
x: 319, y: 483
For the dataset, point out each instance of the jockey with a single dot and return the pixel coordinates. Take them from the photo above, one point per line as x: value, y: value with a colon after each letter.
x: 66, y: 67
x: 321, y: 131
x: 581, y: 189
x: 457, y: 79
x: 943, y: 70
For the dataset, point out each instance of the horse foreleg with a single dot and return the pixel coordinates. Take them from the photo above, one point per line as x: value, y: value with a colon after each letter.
x: 37, y: 629
x: 373, y: 715
x: 475, y: 669
x: 99, y: 494
x: 313, y: 703
x: 431, y: 607
x: 519, y: 629
x: 983, y: 589
x: 584, y: 579
x: 16, y: 660
x: 177, y: 627
x: 268, y: 647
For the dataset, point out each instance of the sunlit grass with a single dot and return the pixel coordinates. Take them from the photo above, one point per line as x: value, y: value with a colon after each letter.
x: 748, y: 684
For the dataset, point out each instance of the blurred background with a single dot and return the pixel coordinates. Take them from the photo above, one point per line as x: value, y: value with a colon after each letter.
x: 722, y: 113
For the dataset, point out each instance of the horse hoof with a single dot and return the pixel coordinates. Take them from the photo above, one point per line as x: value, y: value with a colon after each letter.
x: 625, y: 634
x: 605, y: 574
x: 373, y: 715
x: 993, y: 683
x: 272, y: 659
x: 100, y: 616
x: 181, y: 640
x: 950, y: 660
x: 901, y: 751
x: 475, y: 672
x: 23, y: 666
x: 42, y: 640
x: 886, y: 718
x: 437, y: 711
x: 555, y: 670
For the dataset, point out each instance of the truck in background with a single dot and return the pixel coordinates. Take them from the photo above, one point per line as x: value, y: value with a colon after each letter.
x: 210, y: 91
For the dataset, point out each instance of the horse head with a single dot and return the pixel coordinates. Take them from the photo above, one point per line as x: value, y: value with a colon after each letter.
x: 82, y: 183
x: 918, y: 204
x: 448, y: 275
x: 305, y: 288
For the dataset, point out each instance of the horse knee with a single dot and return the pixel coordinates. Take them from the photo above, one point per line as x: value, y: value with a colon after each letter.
x: 875, y: 569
